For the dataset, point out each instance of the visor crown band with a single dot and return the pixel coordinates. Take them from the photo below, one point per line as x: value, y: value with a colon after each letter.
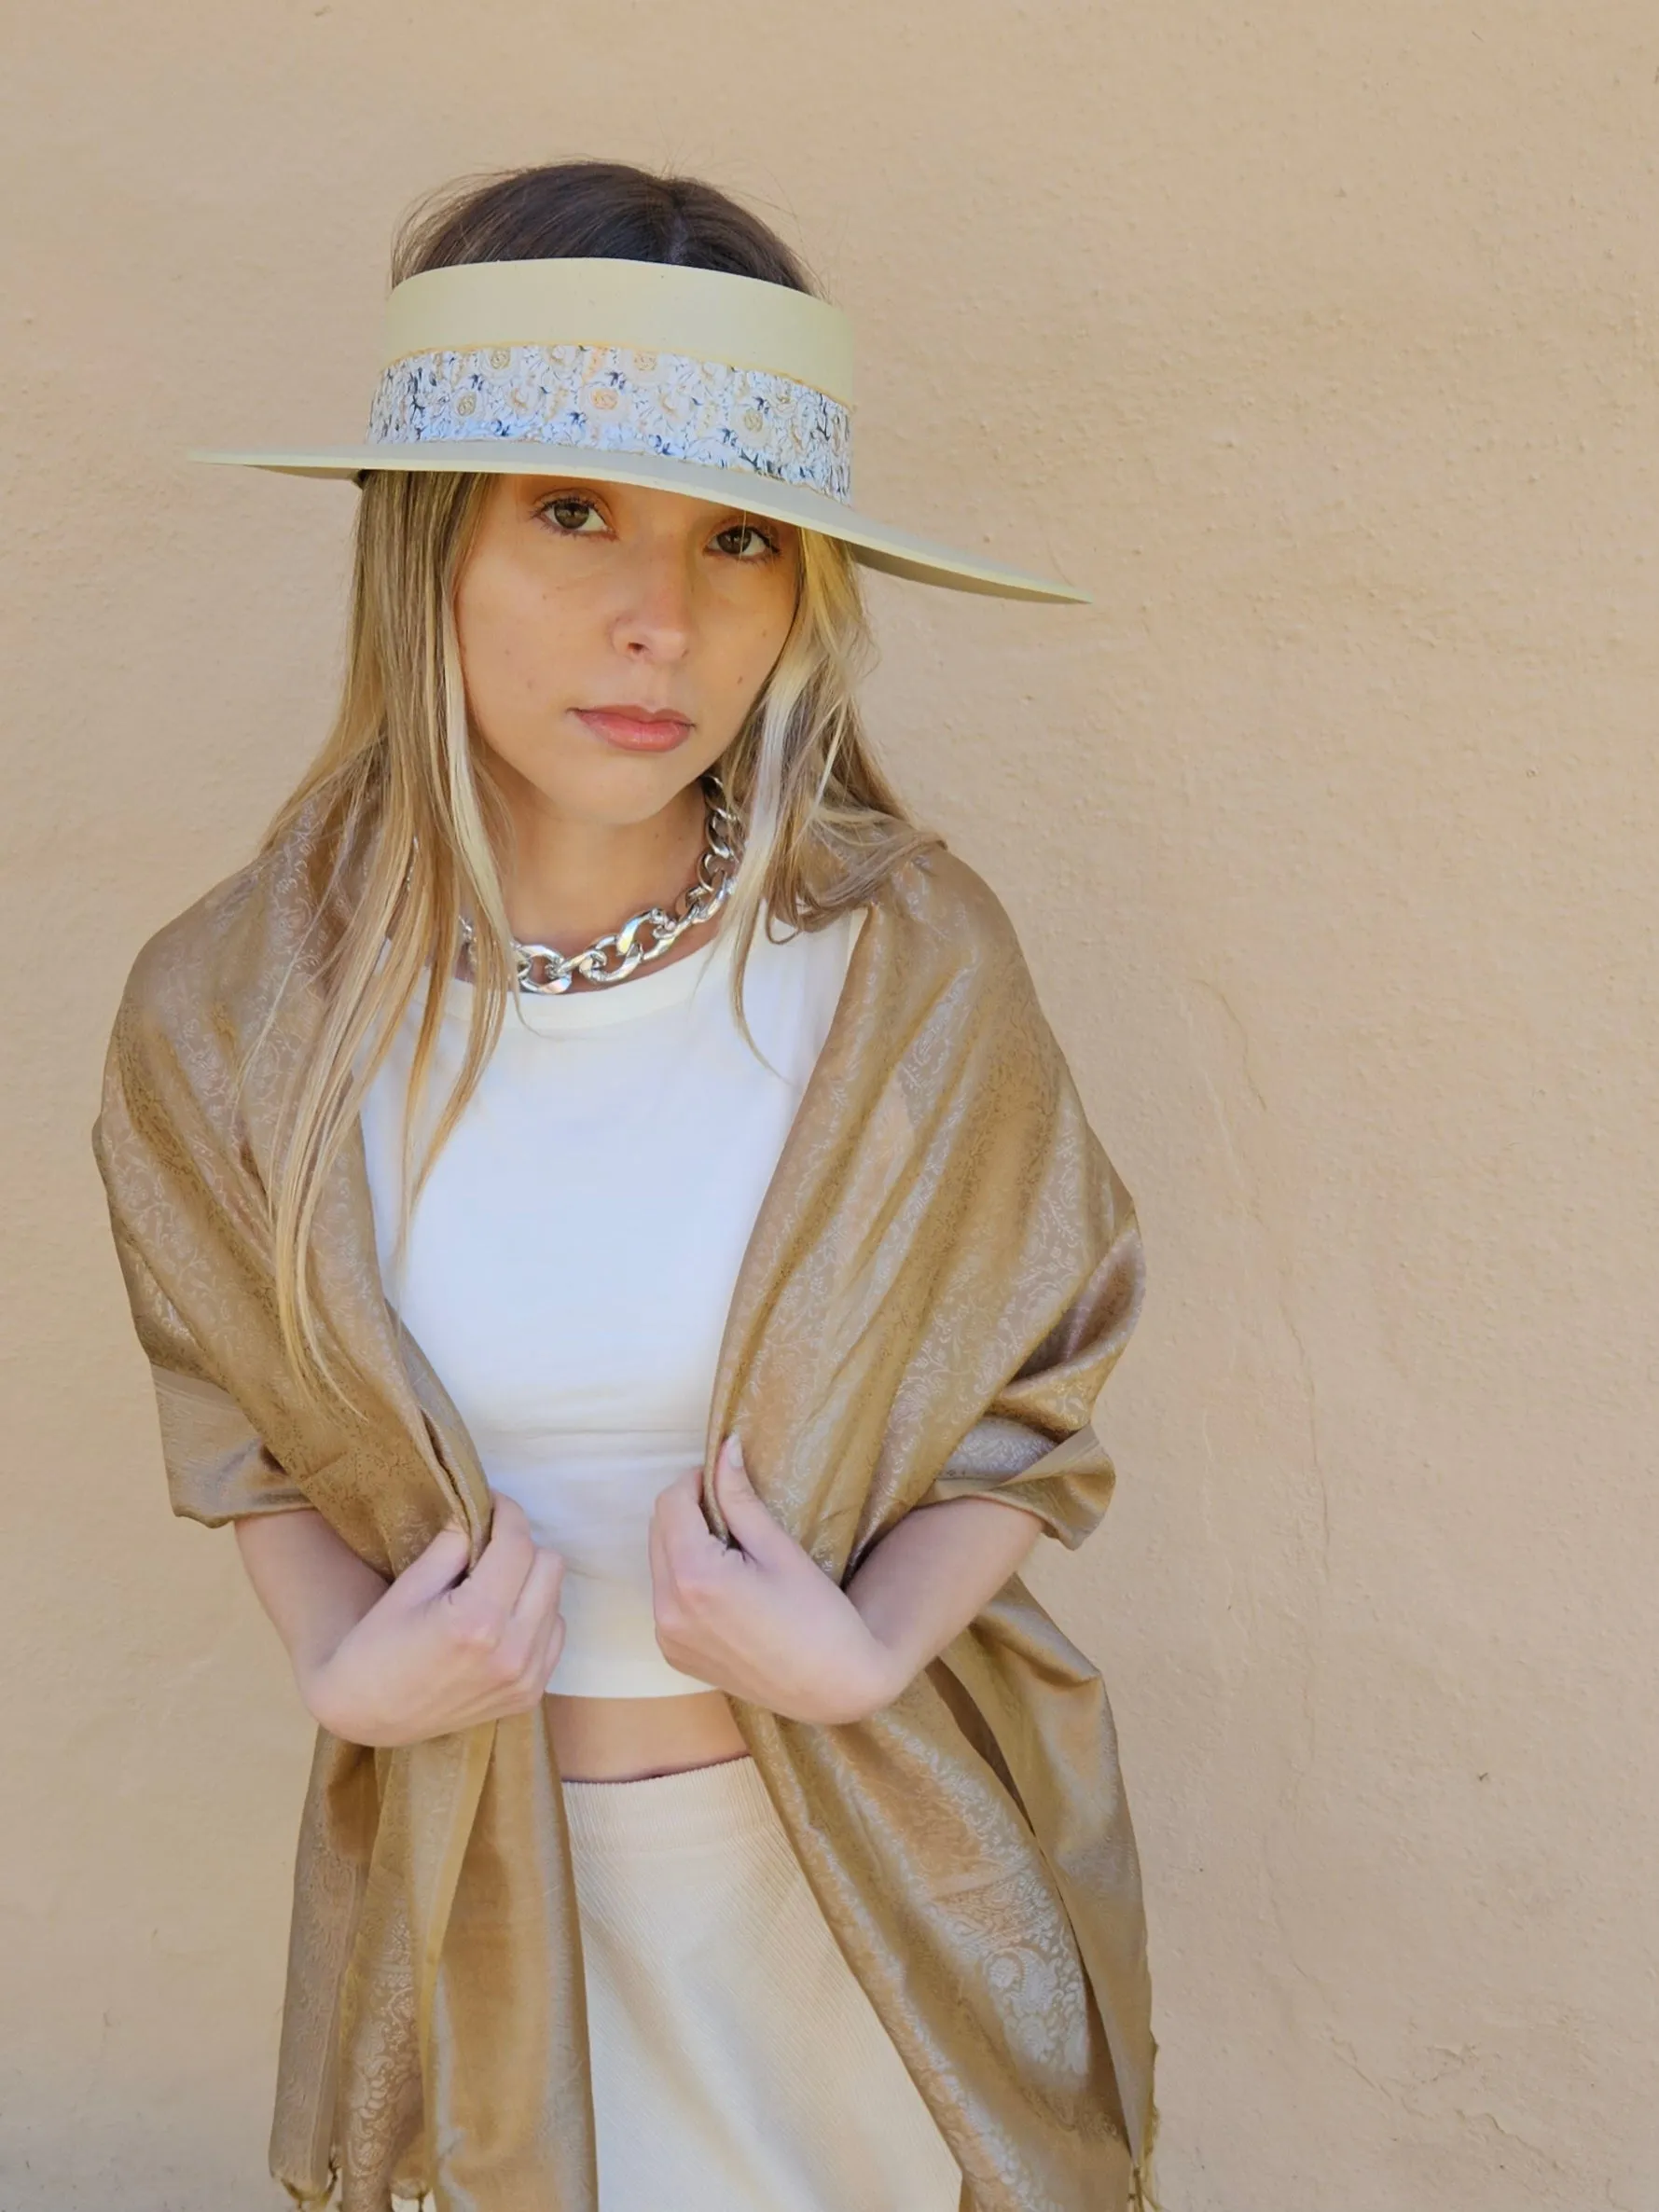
x: 617, y: 399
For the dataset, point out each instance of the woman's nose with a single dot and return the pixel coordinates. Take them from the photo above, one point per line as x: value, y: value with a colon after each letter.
x: 657, y: 608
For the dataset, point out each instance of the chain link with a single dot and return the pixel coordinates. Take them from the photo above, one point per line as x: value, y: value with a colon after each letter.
x: 611, y: 958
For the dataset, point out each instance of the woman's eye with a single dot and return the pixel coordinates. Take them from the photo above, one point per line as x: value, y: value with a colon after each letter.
x: 745, y: 541
x: 571, y: 514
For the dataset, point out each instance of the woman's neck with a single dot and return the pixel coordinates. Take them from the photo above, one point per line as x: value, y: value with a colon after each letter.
x: 569, y: 882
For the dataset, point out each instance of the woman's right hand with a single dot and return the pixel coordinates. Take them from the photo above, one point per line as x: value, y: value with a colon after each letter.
x: 443, y: 1649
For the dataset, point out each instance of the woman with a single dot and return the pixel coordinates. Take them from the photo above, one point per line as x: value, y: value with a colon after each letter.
x: 596, y: 1082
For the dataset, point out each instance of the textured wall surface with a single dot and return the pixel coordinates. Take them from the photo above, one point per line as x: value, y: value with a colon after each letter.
x: 1317, y: 342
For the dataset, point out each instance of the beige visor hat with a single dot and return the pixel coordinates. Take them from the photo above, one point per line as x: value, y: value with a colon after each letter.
x: 717, y: 387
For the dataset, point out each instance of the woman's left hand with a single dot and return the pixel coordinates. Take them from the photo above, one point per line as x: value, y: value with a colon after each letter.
x: 761, y: 1621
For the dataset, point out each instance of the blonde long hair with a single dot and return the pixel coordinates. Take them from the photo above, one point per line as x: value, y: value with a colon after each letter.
x: 399, y: 787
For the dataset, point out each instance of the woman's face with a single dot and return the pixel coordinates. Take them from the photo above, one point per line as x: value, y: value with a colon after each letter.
x: 586, y: 610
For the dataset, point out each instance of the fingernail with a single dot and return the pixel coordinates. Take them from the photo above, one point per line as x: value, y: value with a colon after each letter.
x: 737, y: 1455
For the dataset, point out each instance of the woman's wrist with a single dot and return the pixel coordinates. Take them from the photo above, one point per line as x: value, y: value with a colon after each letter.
x: 893, y: 1661
x: 346, y: 1706
x: 922, y: 1584
x: 883, y: 1673
x: 315, y: 1589
x: 317, y: 1677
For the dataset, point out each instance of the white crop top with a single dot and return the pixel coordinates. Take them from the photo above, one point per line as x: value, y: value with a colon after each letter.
x: 573, y: 1254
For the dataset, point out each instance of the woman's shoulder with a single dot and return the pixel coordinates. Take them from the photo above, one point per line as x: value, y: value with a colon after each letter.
x: 942, y: 908
x: 218, y: 964
x: 926, y: 892
x: 190, y: 940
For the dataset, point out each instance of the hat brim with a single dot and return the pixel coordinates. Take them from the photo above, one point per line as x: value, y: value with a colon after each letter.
x: 878, y: 545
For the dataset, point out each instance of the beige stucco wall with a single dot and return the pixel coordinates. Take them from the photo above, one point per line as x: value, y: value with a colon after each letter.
x: 1318, y: 340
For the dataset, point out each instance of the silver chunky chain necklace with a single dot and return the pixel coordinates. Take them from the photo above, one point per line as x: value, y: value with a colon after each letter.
x: 618, y: 953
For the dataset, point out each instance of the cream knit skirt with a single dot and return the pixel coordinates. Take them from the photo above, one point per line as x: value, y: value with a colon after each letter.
x: 737, y: 2064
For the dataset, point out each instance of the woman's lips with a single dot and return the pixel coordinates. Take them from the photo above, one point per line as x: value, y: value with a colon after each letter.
x: 635, y: 728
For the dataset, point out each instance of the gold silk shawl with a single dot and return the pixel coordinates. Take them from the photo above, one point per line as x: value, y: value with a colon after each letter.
x: 943, y: 1270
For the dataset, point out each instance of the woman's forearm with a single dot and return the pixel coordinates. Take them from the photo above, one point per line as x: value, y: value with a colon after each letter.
x: 310, y: 1581
x: 933, y: 1571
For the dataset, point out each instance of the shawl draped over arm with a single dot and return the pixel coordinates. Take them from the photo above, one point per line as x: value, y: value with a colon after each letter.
x: 943, y: 1273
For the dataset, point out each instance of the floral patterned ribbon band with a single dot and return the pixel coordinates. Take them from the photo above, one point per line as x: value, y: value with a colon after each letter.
x: 619, y: 398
